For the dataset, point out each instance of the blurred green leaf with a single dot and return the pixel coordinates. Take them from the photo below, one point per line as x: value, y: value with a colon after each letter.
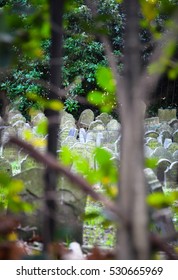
x: 105, y: 79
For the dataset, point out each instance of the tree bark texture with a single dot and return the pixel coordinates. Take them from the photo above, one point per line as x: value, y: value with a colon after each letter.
x: 50, y: 176
x: 132, y: 237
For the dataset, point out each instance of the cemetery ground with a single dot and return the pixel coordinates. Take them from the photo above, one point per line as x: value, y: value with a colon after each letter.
x: 82, y: 144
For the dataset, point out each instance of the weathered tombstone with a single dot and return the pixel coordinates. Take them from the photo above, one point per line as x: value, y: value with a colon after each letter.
x: 94, y: 124
x: 99, y: 139
x: 167, y: 143
x: 66, y: 117
x: 174, y: 124
x: 164, y: 126
x: 29, y: 163
x: 175, y: 136
x: 70, y: 201
x: 175, y: 155
x: 152, y: 121
x: 162, y: 166
x: 152, y: 134
x: 166, y: 114
x: 153, y: 143
x: 147, y: 151
x: 73, y: 132
x: 15, y: 118
x: 5, y: 166
x: 104, y: 117
x: 40, y: 116
x: 172, y: 175
x: 165, y: 135
x: 10, y: 152
x: 69, y: 141
x: 161, y: 218
x: 85, y: 119
x: 161, y: 153
x: 82, y: 135
x: 173, y: 147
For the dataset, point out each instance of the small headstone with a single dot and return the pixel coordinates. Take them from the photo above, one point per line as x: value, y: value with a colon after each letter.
x: 69, y: 141
x: 5, y: 166
x: 70, y: 202
x: 66, y: 117
x: 161, y: 153
x: 152, y: 134
x: 82, y: 135
x: 104, y: 117
x: 166, y: 114
x: 29, y: 163
x: 151, y: 121
x: 10, y: 152
x: 175, y: 155
x: 162, y: 166
x: 85, y: 119
x: 167, y: 143
x: 73, y: 132
x: 161, y: 218
x: 174, y: 124
x: 147, y: 151
x: 153, y: 143
x: 94, y: 124
x: 164, y: 126
x: 173, y: 147
x: 38, y: 118
x: 172, y: 175
x: 113, y: 125
x: 175, y: 136
x: 165, y: 134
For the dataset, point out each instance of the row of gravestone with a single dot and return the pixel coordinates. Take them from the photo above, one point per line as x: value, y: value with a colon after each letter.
x: 31, y: 179
x: 161, y: 142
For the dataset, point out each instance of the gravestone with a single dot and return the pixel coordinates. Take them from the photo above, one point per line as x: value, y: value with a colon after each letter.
x: 165, y: 134
x: 174, y: 124
x: 82, y: 135
x: 95, y: 124
x: 175, y: 156
x: 66, y: 117
x: 173, y: 147
x: 85, y: 119
x: 69, y: 141
x: 5, y: 166
x: 29, y: 163
x: 147, y: 151
x: 172, y: 176
x: 175, y: 136
x: 152, y: 134
x: 151, y: 121
x: 104, y: 117
x: 167, y: 143
x: 40, y: 116
x: 10, y: 152
x: 161, y: 218
x: 70, y: 202
x: 152, y: 143
x: 161, y: 153
x: 166, y: 114
x: 164, y: 126
x: 162, y: 166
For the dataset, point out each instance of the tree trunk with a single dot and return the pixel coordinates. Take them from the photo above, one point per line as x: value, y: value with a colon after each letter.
x: 56, y: 13
x: 133, y: 236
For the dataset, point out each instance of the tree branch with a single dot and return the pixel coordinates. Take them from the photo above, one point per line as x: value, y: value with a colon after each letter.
x: 78, y: 181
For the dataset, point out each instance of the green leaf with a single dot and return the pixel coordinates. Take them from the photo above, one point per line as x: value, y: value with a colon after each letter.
x: 159, y: 200
x: 151, y: 163
x: 54, y: 105
x: 95, y: 97
x: 4, y: 179
x: 42, y: 127
x: 105, y: 79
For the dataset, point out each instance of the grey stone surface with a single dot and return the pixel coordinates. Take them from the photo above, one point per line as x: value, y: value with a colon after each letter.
x: 70, y: 202
x: 153, y: 143
x: 162, y: 166
x: 174, y: 124
x: 165, y: 135
x: 104, y: 117
x: 175, y: 156
x: 172, y: 175
x: 85, y: 119
x: 152, y: 134
x: 166, y: 114
x: 175, y: 136
x: 5, y: 166
x: 95, y: 124
x: 161, y: 153
x: 173, y: 147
